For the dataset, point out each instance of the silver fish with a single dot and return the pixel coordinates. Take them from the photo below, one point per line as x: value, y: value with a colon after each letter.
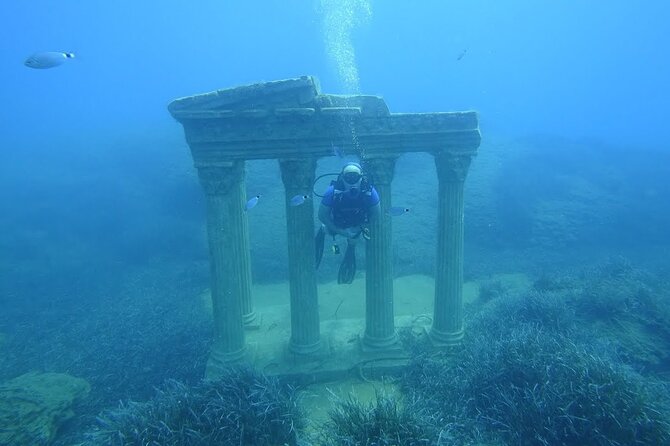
x: 48, y: 59
x: 297, y: 200
x: 397, y: 211
x: 252, y: 202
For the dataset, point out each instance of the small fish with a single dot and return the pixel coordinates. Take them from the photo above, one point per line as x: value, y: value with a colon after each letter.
x: 48, y: 59
x: 337, y: 151
x: 297, y: 200
x: 462, y: 54
x: 397, y: 211
x: 252, y: 202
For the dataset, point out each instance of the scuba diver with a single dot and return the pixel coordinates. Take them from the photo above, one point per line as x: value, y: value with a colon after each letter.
x: 347, y: 206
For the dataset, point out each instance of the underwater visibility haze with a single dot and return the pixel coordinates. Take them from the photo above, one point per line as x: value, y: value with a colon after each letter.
x: 105, y: 302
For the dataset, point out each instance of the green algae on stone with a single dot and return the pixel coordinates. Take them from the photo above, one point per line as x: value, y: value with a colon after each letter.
x: 34, y: 405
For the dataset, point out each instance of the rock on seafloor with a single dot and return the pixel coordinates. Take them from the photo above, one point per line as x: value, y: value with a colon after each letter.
x: 34, y: 405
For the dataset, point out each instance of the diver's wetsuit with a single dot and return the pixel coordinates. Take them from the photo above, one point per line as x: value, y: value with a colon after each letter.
x: 348, y: 209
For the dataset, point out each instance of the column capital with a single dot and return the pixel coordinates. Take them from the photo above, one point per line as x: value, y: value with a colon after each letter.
x: 298, y: 173
x: 452, y: 168
x: 382, y: 168
x: 220, y: 180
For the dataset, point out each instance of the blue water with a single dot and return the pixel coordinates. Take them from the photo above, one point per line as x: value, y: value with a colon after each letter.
x: 564, y: 68
x: 102, y: 217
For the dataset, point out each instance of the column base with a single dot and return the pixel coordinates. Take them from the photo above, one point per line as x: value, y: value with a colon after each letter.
x: 251, y: 321
x: 371, y: 344
x: 440, y: 338
x: 219, y: 361
x: 304, y: 349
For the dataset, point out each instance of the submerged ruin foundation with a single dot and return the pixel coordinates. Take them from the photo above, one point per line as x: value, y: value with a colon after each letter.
x: 292, y: 121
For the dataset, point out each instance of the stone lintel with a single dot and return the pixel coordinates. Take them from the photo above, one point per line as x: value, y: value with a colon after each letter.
x: 295, y: 111
x: 223, y: 163
x: 340, y: 111
x: 307, y: 133
x: 251, y: 113
x: 215, y: 105
x: 331, y: 123
x: 456, y: 143
x: 255, y: 113
x: 208, y: 114
x: 368, y: 104
x: 294, y: 92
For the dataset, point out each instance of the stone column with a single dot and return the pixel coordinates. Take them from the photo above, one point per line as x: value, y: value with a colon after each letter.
x: 447, y: 326
x: 244, y: 259
x: 380, y: 333
x: 298, y: 179
x: 228, y: 248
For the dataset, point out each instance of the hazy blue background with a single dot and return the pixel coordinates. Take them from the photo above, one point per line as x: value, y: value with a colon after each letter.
x: 95, y: 176
x: 102, y: 244
x: 94, y: 135
x: 531, y: 67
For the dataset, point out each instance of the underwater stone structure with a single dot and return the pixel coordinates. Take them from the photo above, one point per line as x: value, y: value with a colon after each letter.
x: 292, y: 121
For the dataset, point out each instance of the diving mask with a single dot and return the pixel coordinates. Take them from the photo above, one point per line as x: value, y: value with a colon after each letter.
x: 352, y: 174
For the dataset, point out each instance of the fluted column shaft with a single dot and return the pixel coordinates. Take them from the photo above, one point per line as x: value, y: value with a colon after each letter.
x: 244, y: 260
x: 228, y: 248
x: 447, y: 328
x: 380, y: 330
x: 298, y: 179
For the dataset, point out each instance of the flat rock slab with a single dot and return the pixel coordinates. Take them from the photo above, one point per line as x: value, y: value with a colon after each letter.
x: 33, y: 406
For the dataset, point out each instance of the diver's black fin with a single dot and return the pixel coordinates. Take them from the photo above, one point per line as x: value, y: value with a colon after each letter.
x: 348, y: 266
x: 319, y: 242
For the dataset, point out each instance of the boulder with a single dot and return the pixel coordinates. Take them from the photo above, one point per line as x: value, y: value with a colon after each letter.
x: 34, y: 405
